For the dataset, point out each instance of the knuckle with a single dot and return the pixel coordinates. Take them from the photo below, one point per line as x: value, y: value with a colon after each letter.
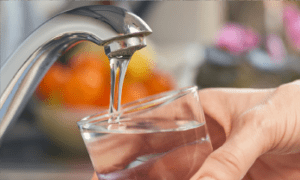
x: 260, y: 122
x: 229, y: 160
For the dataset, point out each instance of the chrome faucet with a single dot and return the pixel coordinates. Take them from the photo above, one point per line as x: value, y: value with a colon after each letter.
x: 119, y: 31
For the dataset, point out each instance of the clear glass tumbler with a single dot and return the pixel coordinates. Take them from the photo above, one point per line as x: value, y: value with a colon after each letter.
x: 161, y: 137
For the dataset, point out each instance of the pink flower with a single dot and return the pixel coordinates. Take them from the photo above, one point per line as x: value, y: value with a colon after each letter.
x: 237, y: 39
x: 275, y: 48
x: 251, y: 40
x: 291, y: 16
x: 290, y: 13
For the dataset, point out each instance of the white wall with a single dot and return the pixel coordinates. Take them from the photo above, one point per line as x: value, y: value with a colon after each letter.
x: 185, y: 21
x: 181, y: 30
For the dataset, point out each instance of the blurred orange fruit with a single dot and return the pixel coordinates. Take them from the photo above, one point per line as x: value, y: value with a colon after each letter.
x: 50, y: 88
x: 141, y: 64
x: 89, y: 81
x: 160, y: 81
x: 89, y: 54
x: 134, y: 91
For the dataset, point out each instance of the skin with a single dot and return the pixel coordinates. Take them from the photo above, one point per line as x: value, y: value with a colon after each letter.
x: 255, y: 133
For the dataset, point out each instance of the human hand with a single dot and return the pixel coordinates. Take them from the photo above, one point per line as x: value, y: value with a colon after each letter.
x: 256, y: 133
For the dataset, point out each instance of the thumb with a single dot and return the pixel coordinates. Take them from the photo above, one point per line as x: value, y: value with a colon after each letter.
x: 234, y: 158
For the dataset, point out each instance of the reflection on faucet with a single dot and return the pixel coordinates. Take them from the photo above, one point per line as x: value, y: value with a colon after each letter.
x: 119, y: 31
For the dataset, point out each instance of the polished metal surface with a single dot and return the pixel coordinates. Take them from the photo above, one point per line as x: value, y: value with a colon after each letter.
x: 119, y: 31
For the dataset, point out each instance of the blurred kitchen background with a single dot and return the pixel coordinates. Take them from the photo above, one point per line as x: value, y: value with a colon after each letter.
x: 209, y: 44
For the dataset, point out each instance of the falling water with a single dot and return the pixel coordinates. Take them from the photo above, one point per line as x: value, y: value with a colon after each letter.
x: 116, y: 63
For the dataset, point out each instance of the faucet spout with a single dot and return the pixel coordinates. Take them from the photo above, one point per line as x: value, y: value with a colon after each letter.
x: 119, y: 31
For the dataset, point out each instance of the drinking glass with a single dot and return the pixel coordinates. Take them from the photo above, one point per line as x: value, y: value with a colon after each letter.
x: 161, y: 137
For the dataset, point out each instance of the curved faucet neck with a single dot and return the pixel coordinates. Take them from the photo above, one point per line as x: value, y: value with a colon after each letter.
x: 119, y: 31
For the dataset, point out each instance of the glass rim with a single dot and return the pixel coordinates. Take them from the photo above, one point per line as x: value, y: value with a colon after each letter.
x: 164, y: 97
